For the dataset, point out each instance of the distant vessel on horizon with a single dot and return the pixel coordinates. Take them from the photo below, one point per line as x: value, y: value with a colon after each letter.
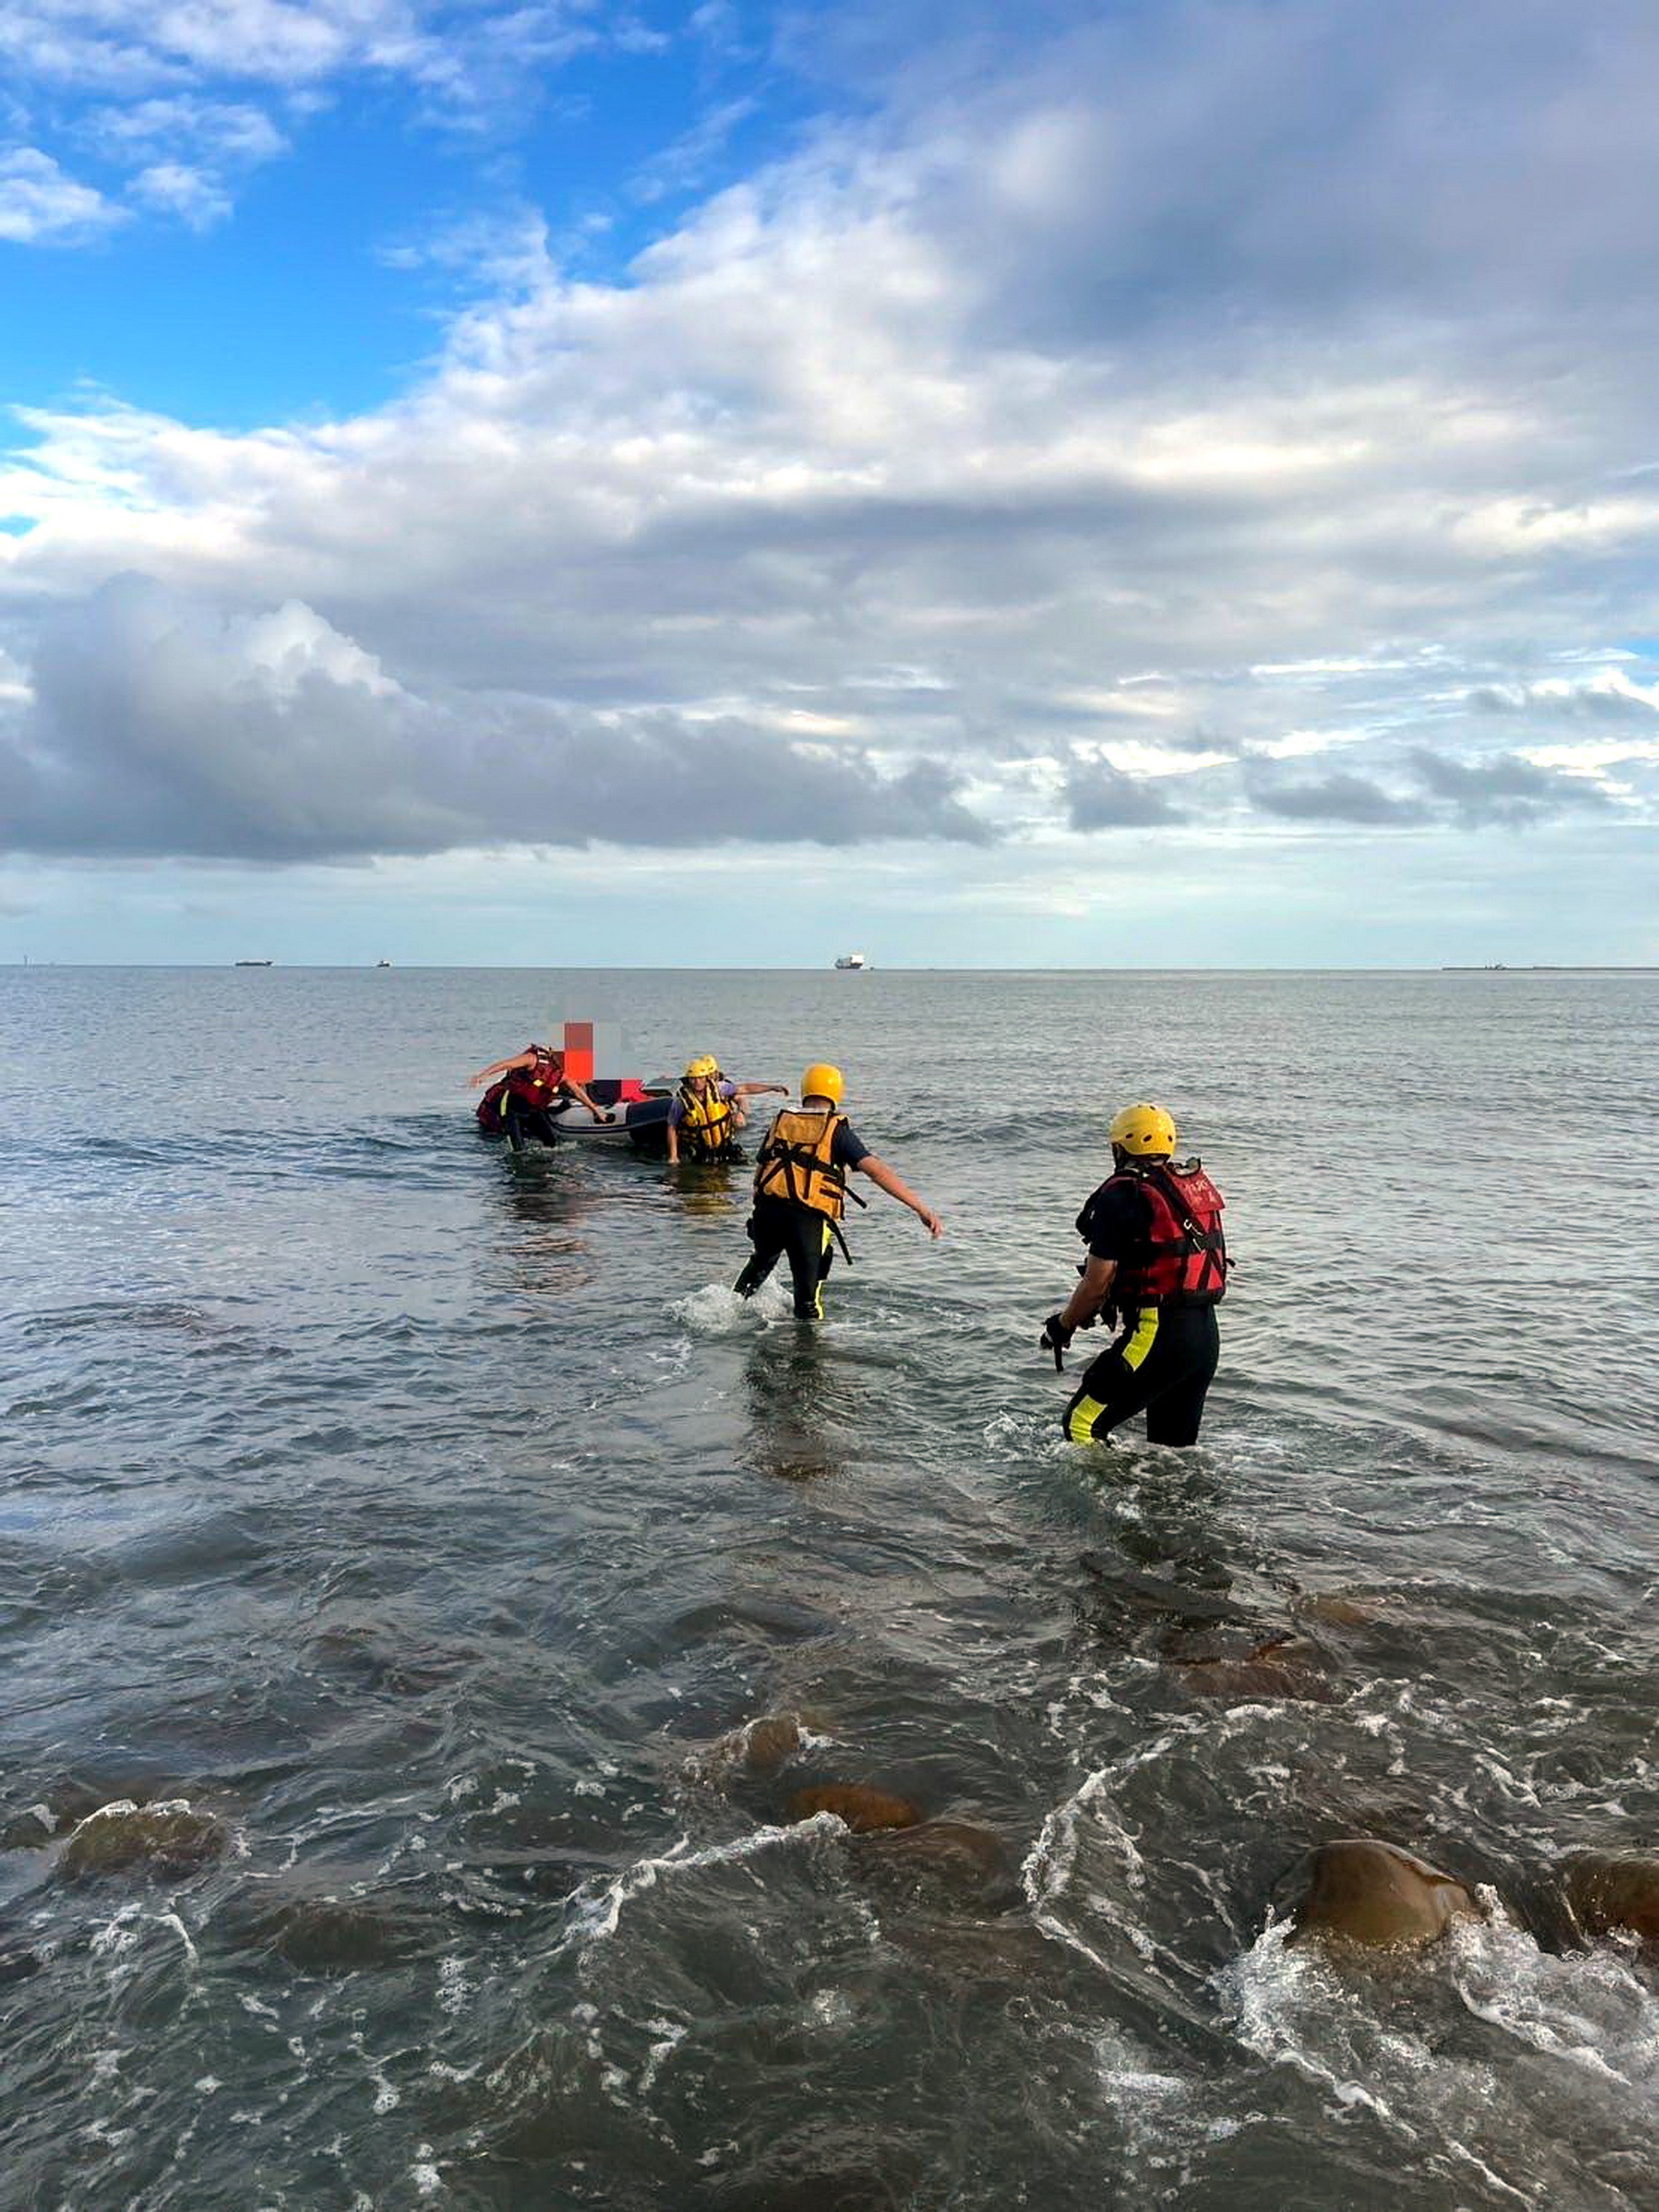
x: 382, y: 963
x: 852, y: 960
x: 251, y: 963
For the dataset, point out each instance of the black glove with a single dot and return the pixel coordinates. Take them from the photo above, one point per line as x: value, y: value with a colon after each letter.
x: 1055, y: 1338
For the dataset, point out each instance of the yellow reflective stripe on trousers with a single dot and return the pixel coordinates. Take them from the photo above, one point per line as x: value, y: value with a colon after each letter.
x: 1140, y: 1340
x: 1081, y: 1426
x: 818, y: 1287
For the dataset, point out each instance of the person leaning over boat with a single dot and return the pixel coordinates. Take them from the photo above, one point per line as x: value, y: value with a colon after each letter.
x: 525, y: 1094
x: 1155, y: 1271
x: 707, y: 1112
x: 801, y: 1191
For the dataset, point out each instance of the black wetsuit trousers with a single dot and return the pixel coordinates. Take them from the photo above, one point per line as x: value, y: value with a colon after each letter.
x: 1161, y: 1364
x: 776, y: 1227
x: 520, y: 1120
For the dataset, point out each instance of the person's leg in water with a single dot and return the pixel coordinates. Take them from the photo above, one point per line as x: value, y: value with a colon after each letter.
x: 521, y: 1120
x: 776, y: 1227
x: 812, y: 1249
x: 768, y: 1232
x: 1174, y: 1414
x: 1162, y: 1364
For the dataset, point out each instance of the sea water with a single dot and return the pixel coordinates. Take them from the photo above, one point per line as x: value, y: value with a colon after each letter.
x: 433, y: 1524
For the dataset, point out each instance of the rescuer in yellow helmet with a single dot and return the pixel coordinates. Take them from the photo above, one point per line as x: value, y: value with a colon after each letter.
x: 801, y: 1191
x: 1155, y: 1271
x: 707, y: 1113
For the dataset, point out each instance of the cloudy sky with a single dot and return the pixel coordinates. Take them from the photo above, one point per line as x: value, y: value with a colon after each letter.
x: 1164, y: 484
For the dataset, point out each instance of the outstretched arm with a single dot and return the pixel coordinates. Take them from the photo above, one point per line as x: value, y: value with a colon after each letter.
x: 758, y: 1089
x: 883, y: 1178
x: 577, y: 1091
x: 499, y: 1067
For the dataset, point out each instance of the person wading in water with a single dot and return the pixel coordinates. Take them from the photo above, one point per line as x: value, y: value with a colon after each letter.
x: 801, y: 1191
x: 526, y: 1094
x: 707, y: 1114
x: 1155, y: 1271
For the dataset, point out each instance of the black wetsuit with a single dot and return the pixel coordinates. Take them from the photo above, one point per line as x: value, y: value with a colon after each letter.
x: 1163, y: 1359
x: 776, y: 1227
x: 521, y: 1119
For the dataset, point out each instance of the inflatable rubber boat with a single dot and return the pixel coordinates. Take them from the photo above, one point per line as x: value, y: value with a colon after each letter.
x: 641, y: 1109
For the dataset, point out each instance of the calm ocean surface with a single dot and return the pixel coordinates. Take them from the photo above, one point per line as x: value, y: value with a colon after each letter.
x: 432, y: 1523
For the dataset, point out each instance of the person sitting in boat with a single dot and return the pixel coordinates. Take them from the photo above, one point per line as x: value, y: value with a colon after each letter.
x: 707, y: 1114
x: 525, y: 1095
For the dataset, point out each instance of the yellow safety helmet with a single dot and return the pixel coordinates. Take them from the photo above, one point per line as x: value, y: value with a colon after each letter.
x: 823, y: 1081
x: 704, y: 1064
x: 1144, y: 1130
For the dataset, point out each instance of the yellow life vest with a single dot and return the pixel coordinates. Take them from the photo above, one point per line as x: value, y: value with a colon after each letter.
x: 795, y: 1162
x: 708, y: 1120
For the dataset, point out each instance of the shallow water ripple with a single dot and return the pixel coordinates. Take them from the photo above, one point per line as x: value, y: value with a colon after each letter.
x: 414, y: 1540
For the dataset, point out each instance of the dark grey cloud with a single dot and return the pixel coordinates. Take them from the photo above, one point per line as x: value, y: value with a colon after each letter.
x: 1575, y: 703
x: 1101, y: 797
x: 1342, y: 797
x: 1297, y: 158
x: 160, y: 729
x: 1504, y: 790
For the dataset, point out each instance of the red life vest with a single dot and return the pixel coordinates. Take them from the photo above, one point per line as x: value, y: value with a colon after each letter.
x: 1183, y: 1261
x: 538, y: 1085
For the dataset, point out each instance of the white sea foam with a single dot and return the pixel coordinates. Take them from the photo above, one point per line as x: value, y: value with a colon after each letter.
x: 596, y: 1917
x: 717, y: 1310
x: 1375, y: 2039
x: 670, y: 2034
x: 1590, y: 2009
x: 453, y: 1987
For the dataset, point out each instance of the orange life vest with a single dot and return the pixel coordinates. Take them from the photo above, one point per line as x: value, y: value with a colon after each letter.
x: 795, y: 1162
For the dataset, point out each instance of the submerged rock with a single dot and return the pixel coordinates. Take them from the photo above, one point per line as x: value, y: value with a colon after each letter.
x: 171, y: 1838
x: 1337, y: 1609
x: 1289, y: 1666
x: 861, y: 1808
x: 1614, y: 1893
x: 1372, y: 1893
x: 955, y: 1863
x: 339, y: 1934
x: 61, y: 1804
x: 18, y: 1963
x: 826, y: 2166
x: 387, y: 1662
x: 1121, y: 1590
x: 30, y: 1830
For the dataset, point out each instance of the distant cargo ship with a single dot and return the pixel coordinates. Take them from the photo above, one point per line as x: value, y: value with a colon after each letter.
x: 852, y: 960
x: 252, y: 963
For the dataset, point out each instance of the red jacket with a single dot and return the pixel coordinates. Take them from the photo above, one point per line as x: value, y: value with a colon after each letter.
x: 538, y: 1085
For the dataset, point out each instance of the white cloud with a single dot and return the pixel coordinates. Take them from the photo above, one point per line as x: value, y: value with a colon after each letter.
x: 221, y: 131
x: 41, y: 206
x: 921, y: 481
x: 122, y: 46
x: 173, y: 188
